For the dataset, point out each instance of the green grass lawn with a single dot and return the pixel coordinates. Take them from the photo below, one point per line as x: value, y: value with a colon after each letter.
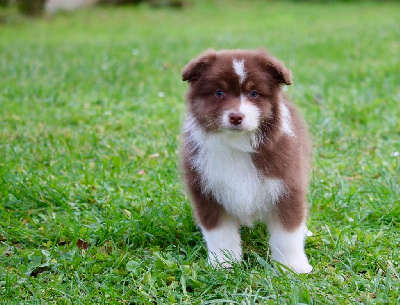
x: 91, y: 105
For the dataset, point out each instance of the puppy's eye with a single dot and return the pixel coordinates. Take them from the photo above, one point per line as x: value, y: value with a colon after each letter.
x: 219, y: 93
x: 253, y: 94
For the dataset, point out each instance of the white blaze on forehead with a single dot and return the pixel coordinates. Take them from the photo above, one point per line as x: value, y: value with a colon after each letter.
x: 238, y: 66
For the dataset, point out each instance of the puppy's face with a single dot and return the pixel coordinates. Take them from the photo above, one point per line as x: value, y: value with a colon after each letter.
x: 234, y: 90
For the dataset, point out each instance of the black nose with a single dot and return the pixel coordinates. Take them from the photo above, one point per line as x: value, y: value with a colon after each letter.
x: 236, y: 118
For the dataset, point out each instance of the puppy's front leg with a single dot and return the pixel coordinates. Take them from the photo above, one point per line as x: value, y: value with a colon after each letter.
x: 287, y: 246
x: 223, y: 242
x: 220, y: 230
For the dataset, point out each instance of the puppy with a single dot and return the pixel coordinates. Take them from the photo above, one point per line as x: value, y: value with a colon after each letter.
x: 245, y: 155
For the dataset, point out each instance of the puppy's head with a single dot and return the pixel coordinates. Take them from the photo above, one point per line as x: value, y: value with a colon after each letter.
x: 234, y: 90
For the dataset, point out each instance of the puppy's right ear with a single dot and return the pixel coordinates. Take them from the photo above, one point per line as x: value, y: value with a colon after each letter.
x: 195, y: 68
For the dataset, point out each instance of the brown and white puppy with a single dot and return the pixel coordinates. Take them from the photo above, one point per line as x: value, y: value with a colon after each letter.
x: 246, y: 154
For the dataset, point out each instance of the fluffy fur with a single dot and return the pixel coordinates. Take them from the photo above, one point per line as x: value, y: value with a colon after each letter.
x: 245, y: 155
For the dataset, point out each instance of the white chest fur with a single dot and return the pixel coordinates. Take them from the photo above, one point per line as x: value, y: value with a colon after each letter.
x: 227, y: 171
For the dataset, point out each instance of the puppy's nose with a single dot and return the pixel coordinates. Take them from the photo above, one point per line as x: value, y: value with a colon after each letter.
x: 236, y: 118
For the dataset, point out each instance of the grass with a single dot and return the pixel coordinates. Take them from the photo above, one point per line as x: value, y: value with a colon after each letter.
x: 91, y: 106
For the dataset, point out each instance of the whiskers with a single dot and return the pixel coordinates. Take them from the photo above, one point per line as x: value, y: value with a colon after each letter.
x: 212, y: 125
x: 209, y: 123
x: 268, y: 124
x: 266, y: 130
x: 199, y: 127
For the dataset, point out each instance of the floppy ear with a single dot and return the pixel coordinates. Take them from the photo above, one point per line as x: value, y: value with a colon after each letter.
x: 276, y: 69
x: 195, y: 68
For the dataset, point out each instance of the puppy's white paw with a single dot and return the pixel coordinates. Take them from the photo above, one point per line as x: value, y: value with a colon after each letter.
x: 301, y: 267
x: 298, y: 264
x: 308, y: 233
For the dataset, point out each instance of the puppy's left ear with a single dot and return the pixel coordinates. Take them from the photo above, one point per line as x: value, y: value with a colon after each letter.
x: 276, y: 69
x: 195, y: 68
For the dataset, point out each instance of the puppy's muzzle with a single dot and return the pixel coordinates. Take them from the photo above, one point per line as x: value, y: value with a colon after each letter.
x: 236, y: 118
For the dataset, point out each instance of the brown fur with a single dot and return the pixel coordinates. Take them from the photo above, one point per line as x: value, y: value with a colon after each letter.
x: 279, y: 156
x: 207, y: 210
x: 288, y: 158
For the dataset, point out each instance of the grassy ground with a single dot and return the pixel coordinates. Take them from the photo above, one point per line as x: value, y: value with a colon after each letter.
x: 90, y: 112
